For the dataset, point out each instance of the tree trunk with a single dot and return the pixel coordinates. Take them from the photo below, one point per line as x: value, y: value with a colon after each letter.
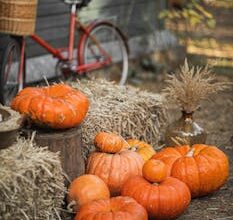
x: 68, y: 143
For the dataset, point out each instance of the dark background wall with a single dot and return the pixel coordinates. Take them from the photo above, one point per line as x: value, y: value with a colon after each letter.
x: 135, y: 18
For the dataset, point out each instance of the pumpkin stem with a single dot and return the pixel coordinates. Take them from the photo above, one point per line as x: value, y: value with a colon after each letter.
x: 133, y: 148
x: 46, y: 81
x: 155, y: 184
x: 191, y: 153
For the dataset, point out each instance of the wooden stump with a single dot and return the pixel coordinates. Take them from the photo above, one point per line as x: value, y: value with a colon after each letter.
x: 68, y: 142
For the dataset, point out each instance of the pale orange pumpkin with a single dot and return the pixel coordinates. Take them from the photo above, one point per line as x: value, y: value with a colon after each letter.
x: 116, y: 208
x: 142, y: 148
x: 85, y: 189
x: 58, y: 106
x: 203, y: 168
x: 115, y: 169
x: 109, y: 142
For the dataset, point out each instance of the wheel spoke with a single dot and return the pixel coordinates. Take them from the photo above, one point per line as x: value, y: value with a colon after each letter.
x: 113, y: 45
x: 10, y: 83
x: 8, y: 67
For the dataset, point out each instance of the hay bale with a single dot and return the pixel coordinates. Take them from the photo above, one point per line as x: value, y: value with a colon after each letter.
x: 31, y: 182
x: 127, y: 110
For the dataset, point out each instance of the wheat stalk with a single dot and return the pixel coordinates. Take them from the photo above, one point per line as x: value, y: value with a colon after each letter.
x: 191, y: 85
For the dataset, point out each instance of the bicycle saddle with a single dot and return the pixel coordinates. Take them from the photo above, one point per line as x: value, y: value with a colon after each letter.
x: 81, y: 3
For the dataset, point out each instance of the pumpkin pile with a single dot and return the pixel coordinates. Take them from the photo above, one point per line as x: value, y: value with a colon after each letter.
x: 147, y: 184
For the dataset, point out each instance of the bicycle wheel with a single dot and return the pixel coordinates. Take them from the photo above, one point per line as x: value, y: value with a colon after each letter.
x: 10, y: 84
x: 110, y: 39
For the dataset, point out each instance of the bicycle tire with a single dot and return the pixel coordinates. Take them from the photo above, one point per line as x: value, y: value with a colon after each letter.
x: 119, y: 68
x: 9, y: 82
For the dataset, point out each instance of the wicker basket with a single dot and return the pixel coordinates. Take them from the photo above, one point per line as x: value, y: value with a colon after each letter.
x: 18, y: 17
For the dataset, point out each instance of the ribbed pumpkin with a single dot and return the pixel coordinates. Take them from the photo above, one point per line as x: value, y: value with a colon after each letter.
x: 87, y: 188
x: 58, y: 106
x: 145, y: 150
x: 203, y: 168
x: 116, y: 208
x: 164, y: 200
x: 109, y: 142
x: 114, y: 169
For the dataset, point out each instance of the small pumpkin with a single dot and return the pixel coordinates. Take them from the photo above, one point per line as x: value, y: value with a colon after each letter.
x: 109, y: 142
x: 203, y: 168
x: 165, y: 199
x: 116, y: 208
x: 114, y: 169
x: 58, y: 106
x: 86, y: 188
x: 141, y: 147
x: 154, y: 171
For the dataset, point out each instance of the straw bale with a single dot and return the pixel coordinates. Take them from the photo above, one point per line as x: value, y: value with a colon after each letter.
x: 126, y: 110
x: 31, y: 182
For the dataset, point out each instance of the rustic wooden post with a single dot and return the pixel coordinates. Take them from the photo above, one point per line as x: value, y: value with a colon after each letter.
x: 69, y: 143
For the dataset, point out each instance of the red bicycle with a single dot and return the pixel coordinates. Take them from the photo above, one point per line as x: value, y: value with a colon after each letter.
x: 102, y: 50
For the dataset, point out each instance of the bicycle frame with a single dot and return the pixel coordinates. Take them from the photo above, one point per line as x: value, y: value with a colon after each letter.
x: 57, y: 52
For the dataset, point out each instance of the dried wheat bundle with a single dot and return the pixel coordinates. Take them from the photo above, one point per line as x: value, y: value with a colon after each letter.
x: 191, y: 85
x: 31, y: 182
x: 125, y: 110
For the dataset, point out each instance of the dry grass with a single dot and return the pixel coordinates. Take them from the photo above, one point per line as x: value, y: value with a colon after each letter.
x: 190, y: 85
x: 31, y: 182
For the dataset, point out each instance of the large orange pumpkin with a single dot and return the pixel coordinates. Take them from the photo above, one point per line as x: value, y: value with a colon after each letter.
x: 116, y: 208
x: 144, y: 149
x: 87, y: 188
x: 114, y: 169
x: 203, y: 168
x: 58, y: 106
x: 109, y: 142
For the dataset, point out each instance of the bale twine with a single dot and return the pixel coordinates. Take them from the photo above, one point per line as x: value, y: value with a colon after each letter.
x: 31, y: 183
x: 126, y: 110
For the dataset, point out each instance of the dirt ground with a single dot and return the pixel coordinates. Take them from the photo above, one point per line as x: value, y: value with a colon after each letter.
x: 217, y: 119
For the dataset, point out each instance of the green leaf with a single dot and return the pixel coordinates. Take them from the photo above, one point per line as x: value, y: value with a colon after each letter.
x: 163, y: 14
x: 211, y: 23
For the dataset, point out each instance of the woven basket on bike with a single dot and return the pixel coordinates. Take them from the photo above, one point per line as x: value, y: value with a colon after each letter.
x: 18, y: 17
